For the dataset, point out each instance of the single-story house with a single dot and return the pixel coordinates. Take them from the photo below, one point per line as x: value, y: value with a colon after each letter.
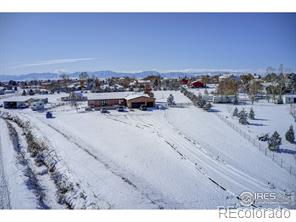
x: 136, y: 100
x: 110, y: 100
x: 289, y: 98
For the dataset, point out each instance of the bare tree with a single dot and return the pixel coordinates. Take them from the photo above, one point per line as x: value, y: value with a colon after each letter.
x: 253, y: 89
x: 82, y: 79
x: 228, y: 87
x: 65, y: 79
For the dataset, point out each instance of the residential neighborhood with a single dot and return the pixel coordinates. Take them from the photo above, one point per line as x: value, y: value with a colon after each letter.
x: 148, y: 111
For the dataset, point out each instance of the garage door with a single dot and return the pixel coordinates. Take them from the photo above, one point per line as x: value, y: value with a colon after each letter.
x: 137, y: 104
x: 150, y: 104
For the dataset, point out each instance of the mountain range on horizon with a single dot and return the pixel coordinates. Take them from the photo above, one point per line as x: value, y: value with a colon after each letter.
x: 106, y: 74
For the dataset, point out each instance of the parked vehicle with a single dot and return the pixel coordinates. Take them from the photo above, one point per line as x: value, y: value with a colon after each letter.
x: 143, y: 108
x: 39, y: 105
x: 88, y: 109
x: 49, y: 115
x: 104, y: 110
x: 120, y: 109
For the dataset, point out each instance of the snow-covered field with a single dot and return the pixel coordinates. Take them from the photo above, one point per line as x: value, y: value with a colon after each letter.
x: 177, y: 158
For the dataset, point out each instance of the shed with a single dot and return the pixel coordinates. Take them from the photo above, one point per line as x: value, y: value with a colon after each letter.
x: 15, y: 104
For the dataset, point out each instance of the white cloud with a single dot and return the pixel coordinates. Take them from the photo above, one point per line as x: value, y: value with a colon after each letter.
x: 207, y: 70
x: 54, y: 61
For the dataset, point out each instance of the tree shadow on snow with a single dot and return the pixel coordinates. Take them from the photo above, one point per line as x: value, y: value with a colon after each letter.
x: 261, y: 119
x: 256, y: 124
x: 214, y: 111
x: 286, y: 151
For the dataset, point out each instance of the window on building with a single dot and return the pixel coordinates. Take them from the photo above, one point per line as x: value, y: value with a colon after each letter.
x: 103, y: 102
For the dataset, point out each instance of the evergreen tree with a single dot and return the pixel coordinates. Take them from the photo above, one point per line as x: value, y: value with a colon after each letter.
x: 201, y: 103
x: 24, y: 93
x: 235, y: 100
x: 235, y: 112
x: 170, y: 100
x: 274, y: 141
x: 243, y: 117
x: 207, y: 106
x: 252, y: 114
x: 290, y: 135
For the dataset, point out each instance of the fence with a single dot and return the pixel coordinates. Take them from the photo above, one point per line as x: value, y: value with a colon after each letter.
x: 261, y: 147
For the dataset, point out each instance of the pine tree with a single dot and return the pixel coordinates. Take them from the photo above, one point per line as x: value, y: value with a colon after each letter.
x: 290, y: 135
x: 252, y: 114
x: 24, y: 93
x: 274, y: 141
x: 235, y: 112
x: 243, y: 117
x: 207, y: 107
x: 235, y: 100
x: 201, y: 103
x: 170, y: 100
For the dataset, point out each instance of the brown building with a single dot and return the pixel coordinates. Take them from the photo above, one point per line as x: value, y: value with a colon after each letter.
x: 131, y: 101
x: 135, y: 101
x: 106, y: 102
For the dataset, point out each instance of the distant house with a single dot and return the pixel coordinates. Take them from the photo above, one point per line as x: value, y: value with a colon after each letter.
x: 21, y: 103
x: 228, y: 77
x: 197, y: 84
x: 74, y: 96
x: 9, y: 91
x: 184, y: 81
x: 32, y: 100
x: 15, y: 104
x: 223, y: 98
x: 289, y: 98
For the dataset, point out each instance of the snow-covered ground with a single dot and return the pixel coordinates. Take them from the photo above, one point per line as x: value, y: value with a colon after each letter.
x: 183, y: 158
x: 269, y: 117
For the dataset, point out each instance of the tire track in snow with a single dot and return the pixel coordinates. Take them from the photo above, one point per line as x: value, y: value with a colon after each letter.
x: 159, y: 203
x: 186, y: 150
x: 4, y: 191
x: 244, y: 176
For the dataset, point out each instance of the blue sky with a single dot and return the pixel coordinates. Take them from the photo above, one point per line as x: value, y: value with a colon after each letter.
x: 133, y: 42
